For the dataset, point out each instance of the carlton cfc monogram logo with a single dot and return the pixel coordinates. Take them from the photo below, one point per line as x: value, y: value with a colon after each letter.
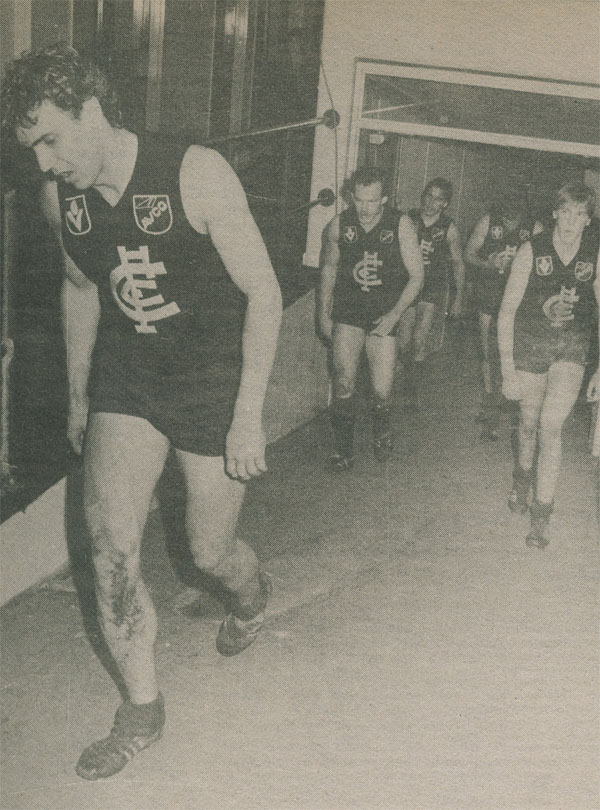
x: 135, y: 275
x: 365, y: 272
x: 153, y: 213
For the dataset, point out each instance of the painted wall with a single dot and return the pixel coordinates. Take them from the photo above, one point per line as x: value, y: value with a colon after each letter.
x: 544, y: 38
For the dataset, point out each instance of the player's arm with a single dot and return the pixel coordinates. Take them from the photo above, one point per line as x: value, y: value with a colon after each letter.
x: 412, y: 258
x: 475, y: 243
x: 80, y: 310
x: 593, y: 390
x: 458, y: 267
x: 513, y: 295
x: 214, y: 200
x: 329, y: 262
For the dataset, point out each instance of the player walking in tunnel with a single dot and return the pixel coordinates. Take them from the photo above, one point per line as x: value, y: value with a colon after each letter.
x: 171, y: 314
x: 371, y: 272
x: 544, y: 329
x: 439, y: 241
x: 490, y: 251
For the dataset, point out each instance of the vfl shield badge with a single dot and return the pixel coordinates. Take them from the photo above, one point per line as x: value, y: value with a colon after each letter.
x: 524, y: 235
x: 584, y: 271
x: 77, y: 216
x: 497, y: 231
x: 350, y: 234
x: 153, y: 213
x: 386, y: 237
x: 543, y: 265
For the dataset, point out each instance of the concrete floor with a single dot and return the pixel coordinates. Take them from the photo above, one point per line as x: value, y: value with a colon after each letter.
x: 416, y: 654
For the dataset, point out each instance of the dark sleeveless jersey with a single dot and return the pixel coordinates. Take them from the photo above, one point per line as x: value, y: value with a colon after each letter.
x: 168, y: 305
x: 371, y: 274
x: 500, y: 240
x: 552, y: 283
x: 433, y: 241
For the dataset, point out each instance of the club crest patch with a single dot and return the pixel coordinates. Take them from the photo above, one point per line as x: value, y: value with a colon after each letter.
x: 543, y: 265
x: 153, y: 213
x: 584, y: 271
x: 524, y: 235
x: 497, y: 231
x: 386, y: 237
x: 77, y: 215
x: 350, y: 234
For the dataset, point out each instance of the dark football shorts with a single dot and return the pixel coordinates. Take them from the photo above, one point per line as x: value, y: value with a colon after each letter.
x: 363, y: 313
x: 434, y: 290
x: 489, y: 290
x: 365, y: 323
x: 194, y: 411
x: 535, y: 354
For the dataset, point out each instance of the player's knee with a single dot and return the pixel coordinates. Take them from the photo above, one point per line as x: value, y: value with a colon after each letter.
x: 343, y: 387
x: 419, y: 351
x: 382, y: 393
x: 210, y: 558
x: 344, y: 406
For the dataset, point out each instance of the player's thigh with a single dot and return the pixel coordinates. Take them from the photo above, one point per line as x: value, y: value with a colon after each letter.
x: 347, y: 345
x: 562, y: 390
x: 213, y: 505
x: 123, y: 460
x: 381, y: 354
x: 406, y: 325
x: 533, y: 391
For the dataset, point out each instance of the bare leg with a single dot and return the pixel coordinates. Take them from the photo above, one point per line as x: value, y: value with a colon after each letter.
x: 425, y: 313
x: 124, y: 457
x: 213, y: 505
x: 406, y: 326
x: 485, y: 322
x: 348, y: 343
x: 406, y: 331
x: 381, y: 354
x: 533, y: 387
x: 563, y: 385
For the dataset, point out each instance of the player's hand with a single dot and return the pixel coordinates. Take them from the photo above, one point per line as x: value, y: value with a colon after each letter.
x: 511, y: 385
x: 562, y: 311
x: 383, y: 326
x: 77, y: 424
x: 593, y: 389
x: 245, y: 450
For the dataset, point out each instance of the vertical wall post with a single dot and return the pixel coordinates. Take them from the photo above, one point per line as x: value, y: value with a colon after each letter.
x: 155, y: 64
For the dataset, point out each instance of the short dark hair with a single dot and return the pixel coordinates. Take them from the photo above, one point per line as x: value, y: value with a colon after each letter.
x: 445, y: 186
x: 56, y: 73
x: 576, y: 192
x: 366, y: 176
